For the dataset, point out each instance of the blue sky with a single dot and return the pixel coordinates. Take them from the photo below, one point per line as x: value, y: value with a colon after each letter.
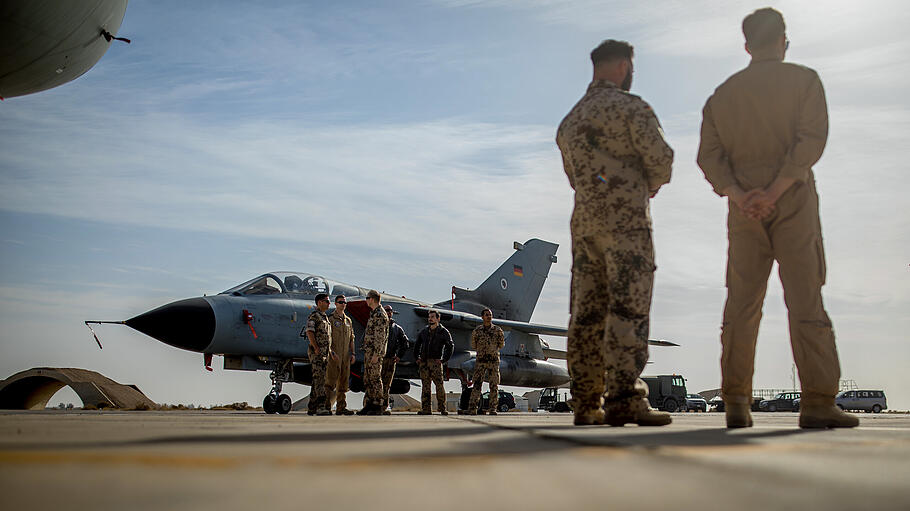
x: 404, y: 146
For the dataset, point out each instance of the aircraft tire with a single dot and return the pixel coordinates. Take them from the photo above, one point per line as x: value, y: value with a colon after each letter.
x: 268, y: 404
x: 283, y: 404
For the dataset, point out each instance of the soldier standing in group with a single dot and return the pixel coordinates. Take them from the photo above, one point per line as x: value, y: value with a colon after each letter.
x: 373, y: 346
x: 762, y: 131
x: 433, y: 349
x: 616, y: 159
x: 487, y: 339
x: 395, y: 349
x: 339, y: 368
x: 319, y: 332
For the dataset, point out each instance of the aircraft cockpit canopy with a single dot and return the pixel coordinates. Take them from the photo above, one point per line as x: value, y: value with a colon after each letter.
x: 302, y: 285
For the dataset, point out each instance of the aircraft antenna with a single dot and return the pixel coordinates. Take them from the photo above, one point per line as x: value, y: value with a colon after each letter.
x: 100, y: 322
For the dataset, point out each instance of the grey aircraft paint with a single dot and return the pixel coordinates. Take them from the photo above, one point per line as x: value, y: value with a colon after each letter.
x: 44, y: 44
x: 257, y: 325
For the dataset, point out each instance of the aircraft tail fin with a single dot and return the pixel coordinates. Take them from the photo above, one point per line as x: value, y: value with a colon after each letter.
x: 511, y: 291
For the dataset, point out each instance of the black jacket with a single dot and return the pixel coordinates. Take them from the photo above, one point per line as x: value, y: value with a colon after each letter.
x: 434, y: 344
x: 398, y: 341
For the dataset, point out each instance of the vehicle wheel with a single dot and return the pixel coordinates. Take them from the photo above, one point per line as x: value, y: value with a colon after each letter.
x: 670, y: 405
x: 503, y: 407
x: 268, y: 404
x: 841, y: 407
x: 772, y: 408
x: 283, y: 404
x: 561, y: 407
x: 876, y: 409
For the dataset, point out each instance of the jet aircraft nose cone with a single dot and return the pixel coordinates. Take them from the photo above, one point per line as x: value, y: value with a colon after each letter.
x: 188, y: 324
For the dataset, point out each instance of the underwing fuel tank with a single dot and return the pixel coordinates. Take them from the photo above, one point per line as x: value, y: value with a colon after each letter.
x: 525, y: 372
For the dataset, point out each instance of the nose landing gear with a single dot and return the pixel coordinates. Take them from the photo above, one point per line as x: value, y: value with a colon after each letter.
x: 275, y: 401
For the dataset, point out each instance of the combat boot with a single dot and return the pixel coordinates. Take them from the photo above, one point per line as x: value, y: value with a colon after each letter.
x: 738, y: 415
x: 323, y: 412
x: 825, y: 416
x: 492, y: 412
x: 594, y: 417
x: 443, y: 412
x: 344, y: 411
x: 387, y: 412
x: 424, y: 412
x: 638, y: 412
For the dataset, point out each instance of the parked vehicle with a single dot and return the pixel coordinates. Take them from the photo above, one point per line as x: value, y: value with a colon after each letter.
x: 718, y: 404
x: 783, y: 402
x: 865, y: 400
x: 506, y: 401
x: 696, y: 403
x: 552, y: 401
x: 666, y: 392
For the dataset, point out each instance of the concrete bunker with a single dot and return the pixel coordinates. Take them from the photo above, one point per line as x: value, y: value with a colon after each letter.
x: 33, y: 388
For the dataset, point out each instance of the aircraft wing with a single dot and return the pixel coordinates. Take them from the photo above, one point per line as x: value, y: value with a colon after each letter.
x: 468, y: 320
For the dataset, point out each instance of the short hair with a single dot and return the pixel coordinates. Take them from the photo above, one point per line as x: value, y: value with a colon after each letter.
x: 339, y: 297
x: 610, y: 50
x: 763, y: 27
x: 485, y: 309
x: 434, y: 312
x: 320, y: 297
x: 373, y: 294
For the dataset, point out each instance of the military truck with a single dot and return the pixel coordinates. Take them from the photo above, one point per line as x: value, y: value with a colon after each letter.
x: 666, y: 392
x: 551, y: 401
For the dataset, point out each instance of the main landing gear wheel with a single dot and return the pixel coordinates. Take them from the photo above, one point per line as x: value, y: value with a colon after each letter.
x: 283, y: 404
x: 269, y: 404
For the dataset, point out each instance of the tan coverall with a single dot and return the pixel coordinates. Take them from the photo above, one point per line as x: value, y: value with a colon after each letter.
x: 767, y: 120
x: 338, y: 371
x: 614, y: 154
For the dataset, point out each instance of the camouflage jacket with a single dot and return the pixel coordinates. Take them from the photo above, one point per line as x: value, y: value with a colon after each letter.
x: 376, y: 333
x: 614, y: 154
x: 488, y: 342
x: 318, y: 323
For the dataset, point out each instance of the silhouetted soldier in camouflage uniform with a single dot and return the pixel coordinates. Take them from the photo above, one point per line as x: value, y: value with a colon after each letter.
x: 487, y: 339
x: 373, y: 346
x: 319, y: 332
x: 397, y: 346
x: 616, y: 158
x: 763, y: 129
x: 433, y: 349
x: 339, y: 369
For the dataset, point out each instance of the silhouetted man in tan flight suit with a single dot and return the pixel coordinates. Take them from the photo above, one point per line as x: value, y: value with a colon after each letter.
x: 762, y: 131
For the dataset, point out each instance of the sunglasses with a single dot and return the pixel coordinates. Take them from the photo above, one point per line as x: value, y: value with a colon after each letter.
x: 340, y: 302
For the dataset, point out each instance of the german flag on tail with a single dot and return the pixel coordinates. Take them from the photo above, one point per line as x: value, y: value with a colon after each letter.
x: 517, y: 271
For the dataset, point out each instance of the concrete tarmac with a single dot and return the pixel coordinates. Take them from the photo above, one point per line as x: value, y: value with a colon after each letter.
x: 519, y: 461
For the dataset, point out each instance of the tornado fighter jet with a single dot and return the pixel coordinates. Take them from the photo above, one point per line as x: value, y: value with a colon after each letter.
x: 257, y: 325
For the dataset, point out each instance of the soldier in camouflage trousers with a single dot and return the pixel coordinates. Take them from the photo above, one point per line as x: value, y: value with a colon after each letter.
x: 487, y: 339
x: 374, y: 345
x: 319, y: 333
x: 616, y: 159
x: 433, y: 349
